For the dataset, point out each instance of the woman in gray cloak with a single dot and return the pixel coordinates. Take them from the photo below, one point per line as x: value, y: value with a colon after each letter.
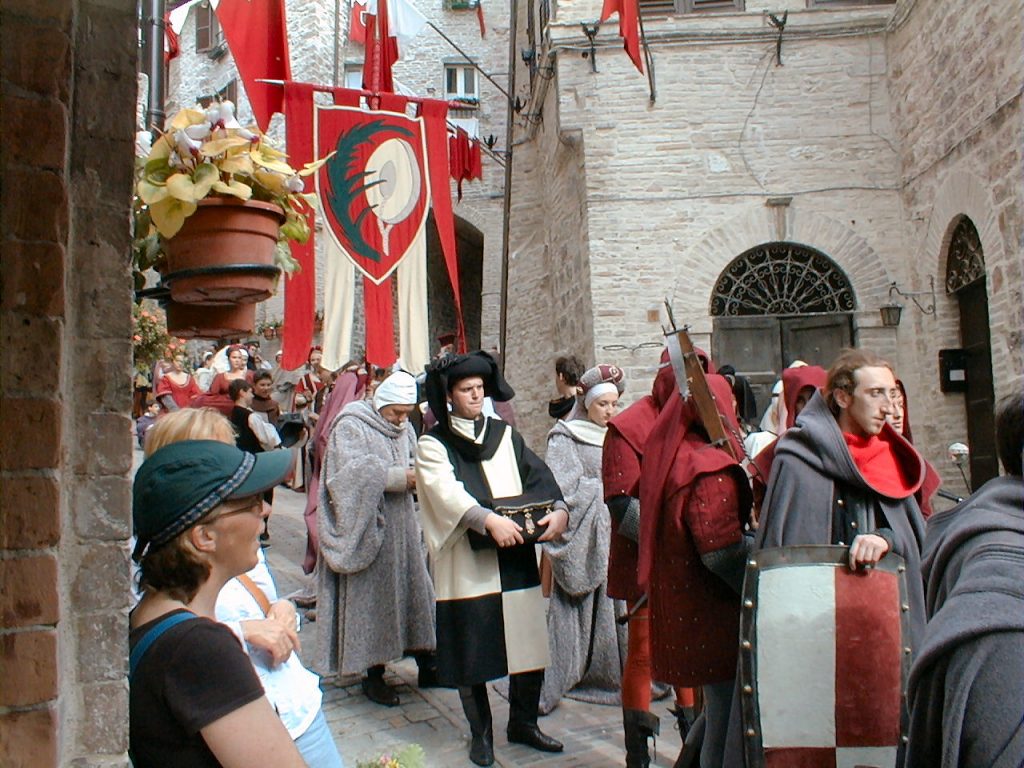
x: 376, y: 601
x: 587, y: 644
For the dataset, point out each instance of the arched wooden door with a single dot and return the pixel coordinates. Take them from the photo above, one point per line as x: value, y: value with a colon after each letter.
x: 965, y: 279
x: 777, y: 303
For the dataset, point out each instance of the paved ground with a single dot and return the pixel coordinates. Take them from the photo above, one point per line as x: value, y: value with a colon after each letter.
x: 433, y: 718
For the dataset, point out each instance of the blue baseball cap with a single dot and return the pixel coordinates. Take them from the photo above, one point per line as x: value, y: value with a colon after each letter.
x: 180, y: 483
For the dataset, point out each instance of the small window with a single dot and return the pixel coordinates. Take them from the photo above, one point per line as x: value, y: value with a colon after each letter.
x: 650, y: 8
x: 228, y: 93
x: 353, y: 76
x: 208, y: 33
x: 461, y: 83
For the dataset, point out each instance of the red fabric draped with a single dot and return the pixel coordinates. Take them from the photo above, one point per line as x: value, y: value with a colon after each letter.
x: 257, y: 35
x: 629, y: 26
x: 435, y: 114
x: 299, y: 287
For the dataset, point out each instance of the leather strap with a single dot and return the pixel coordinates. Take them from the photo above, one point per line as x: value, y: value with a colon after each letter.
x: 257, y: 593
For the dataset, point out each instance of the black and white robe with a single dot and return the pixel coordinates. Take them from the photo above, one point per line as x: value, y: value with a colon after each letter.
x: 490, y: 610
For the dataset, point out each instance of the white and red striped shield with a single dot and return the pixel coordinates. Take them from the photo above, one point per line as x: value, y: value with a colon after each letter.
x: 823, y: 662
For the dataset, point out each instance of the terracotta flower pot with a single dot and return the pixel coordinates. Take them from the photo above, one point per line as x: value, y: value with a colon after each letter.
x: 195, y: 321
x: 224, y: 253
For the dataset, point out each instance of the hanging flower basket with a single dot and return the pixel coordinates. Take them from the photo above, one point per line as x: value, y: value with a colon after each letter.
x: 224, y: 253
x: 194, y: 321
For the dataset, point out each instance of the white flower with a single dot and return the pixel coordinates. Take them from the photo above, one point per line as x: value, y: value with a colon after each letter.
x: 198, y: 132
x: 295, y: 183
x: 143, y: 143
x: 186, y: 145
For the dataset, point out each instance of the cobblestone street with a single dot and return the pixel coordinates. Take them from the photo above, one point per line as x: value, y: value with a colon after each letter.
x: 433, y: 718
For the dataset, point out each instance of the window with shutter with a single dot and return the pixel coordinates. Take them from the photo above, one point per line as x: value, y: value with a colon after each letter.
x: 696, y: 6
x: 208, y: 34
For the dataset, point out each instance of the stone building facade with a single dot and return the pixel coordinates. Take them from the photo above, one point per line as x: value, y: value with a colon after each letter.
x: 864, y: 137
x: 67, y: 105
x: 319, y: 55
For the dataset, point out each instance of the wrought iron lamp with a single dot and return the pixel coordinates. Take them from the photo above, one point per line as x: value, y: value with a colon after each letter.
x: 892, y: 311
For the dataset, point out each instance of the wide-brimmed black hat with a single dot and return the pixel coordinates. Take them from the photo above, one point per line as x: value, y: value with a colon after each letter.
x: 180, y: 483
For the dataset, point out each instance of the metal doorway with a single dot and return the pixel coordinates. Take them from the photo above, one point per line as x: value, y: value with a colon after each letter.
x: 965, y: 279
x: 777, y: 303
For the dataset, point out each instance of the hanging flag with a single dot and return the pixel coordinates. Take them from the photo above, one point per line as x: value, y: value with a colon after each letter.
x: 356, y: 24
x: 480, y: 17
x: 257, y: 36
x: 629, y: 26
x: 394, y: 23
x: 172, y: 43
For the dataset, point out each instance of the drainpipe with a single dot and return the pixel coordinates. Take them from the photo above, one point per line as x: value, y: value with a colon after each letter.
x: 507, y: 208
x: 153, y: 60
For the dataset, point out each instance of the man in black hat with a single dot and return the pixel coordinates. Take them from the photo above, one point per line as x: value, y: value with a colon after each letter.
x: 490, y: 611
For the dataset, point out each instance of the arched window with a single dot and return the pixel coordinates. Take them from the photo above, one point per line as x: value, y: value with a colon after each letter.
x: 965, y: 263
x: 781, y: 279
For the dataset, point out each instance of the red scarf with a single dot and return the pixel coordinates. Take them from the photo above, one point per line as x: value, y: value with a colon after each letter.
x: 876, y: 459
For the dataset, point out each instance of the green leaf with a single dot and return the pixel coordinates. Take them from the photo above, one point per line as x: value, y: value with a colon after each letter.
x: 181, y: 186
x: 169, y: 214
x: 151, y: 193
x: 220, y: 146
x: 205, y: 176
x: 234, y: 188
x: 157, y: 170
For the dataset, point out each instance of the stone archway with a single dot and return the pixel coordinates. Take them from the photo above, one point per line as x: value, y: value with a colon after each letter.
x: 441, y: 307
x: 966, y: 280
x: 779, y: 302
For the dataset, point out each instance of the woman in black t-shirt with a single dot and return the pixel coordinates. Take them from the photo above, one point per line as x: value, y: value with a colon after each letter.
x: 194, y: 697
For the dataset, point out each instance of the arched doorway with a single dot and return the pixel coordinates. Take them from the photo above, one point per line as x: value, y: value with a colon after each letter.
x: 469, y: 243
x: 965, y: 279
x: 776, y: 303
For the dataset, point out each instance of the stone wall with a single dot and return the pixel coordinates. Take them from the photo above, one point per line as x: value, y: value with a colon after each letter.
x: 420, y: 71
x: 957, y: 71
x: 850, y: 126
x: 67, y: 103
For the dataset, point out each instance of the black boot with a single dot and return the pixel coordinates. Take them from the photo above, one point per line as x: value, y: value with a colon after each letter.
x: 684, y: 719
x: 377, y: 690
x: 639, y: 726
x: 426, y: 663
x: 523, y: 702
x: 478, y: 713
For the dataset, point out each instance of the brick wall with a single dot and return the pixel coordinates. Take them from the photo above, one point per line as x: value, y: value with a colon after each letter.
x: 67, y: 103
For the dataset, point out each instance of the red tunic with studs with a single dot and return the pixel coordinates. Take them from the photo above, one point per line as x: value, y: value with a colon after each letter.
x: 694, y: 498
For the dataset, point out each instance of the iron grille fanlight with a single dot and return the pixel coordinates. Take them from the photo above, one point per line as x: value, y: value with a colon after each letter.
x: 781, y: 279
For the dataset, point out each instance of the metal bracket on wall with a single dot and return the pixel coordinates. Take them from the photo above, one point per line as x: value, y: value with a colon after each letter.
x: 591, y: 33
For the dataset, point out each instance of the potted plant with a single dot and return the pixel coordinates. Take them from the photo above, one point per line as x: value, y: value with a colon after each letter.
x: 150, y: 338
x: 215, y: 207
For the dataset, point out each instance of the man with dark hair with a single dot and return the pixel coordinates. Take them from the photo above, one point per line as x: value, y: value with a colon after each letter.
x: 568, y: 370
x: 966, y: 687
x: 490, y: 611
x: 262, y: 396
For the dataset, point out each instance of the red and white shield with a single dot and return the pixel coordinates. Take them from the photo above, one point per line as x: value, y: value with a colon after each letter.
x: 823, y: 663
x: 374, y: 191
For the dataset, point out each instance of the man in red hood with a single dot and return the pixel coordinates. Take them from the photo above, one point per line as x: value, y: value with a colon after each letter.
x: 693, y: 552
x: 623, y: 456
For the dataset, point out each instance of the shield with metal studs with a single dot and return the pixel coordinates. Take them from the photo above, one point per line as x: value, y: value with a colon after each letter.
x: 823, y: 660
x: 374, y: 191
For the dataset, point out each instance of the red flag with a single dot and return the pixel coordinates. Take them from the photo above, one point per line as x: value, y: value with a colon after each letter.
x: 172, y: 43
x: 299, y: 287
x: 480, y: 17
x: 258, y: 38
x: 390, y: 26
x: 356, y: 25
x: 629, y: 26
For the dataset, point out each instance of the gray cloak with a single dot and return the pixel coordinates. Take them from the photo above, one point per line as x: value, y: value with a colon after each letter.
x: 812, y: 462
x: 375, y: 601
x: 967, y: 683
x: 581, y: 616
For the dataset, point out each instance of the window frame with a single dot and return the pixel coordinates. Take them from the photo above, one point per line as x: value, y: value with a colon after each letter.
x: 460, y: 94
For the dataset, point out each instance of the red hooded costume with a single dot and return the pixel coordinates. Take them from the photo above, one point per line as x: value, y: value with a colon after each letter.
x: 620, y: 472
x: 695, y: 499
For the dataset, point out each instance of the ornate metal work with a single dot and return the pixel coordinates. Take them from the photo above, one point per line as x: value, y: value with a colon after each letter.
x: 781, y: 279
x: 966, y: 262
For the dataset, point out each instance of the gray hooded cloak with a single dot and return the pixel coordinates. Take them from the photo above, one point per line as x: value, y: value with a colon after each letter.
x: 375, y: 602
x: 967, y: 684
x: 581, y: 616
